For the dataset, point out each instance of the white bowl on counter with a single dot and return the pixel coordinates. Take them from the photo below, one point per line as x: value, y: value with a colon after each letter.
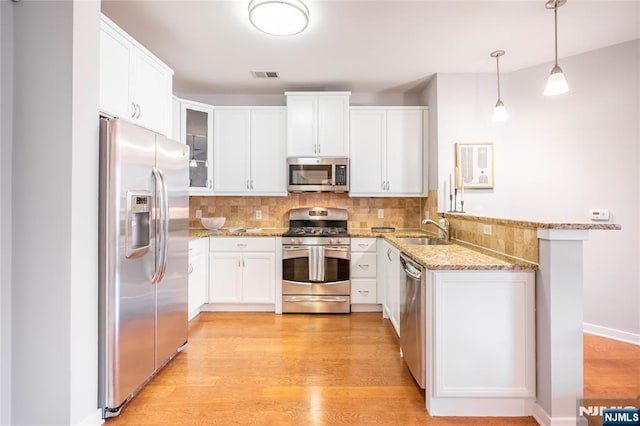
x: 213, y: 223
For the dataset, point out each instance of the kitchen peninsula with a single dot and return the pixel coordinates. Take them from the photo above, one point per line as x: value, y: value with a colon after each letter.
x: 557, y: 277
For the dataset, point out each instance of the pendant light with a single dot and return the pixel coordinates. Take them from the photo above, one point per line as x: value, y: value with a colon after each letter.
x: 556, y: 84
x: 279, y: 17
x: 500, y: 112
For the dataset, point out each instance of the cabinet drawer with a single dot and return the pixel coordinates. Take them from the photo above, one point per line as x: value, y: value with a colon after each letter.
x: 363, y: 265
x: 363, y: 244
x: 242, y: 244
x: 363, y: 291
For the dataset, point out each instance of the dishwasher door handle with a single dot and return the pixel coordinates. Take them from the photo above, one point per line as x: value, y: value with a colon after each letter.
x: 410, y: 268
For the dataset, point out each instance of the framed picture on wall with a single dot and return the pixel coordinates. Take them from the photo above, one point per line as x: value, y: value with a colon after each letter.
x: 474, y: 165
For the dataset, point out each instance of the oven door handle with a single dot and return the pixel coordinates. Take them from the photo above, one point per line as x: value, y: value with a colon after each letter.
x: 337, y: 253
x: 334, y: 299
x: 294, y: 252
x: 312, y: 283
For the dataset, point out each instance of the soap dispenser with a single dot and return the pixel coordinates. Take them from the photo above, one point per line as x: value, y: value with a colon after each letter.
x: 444, y: 222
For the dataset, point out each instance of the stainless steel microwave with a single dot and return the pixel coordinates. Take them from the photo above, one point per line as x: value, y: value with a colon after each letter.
x: 318, y: 174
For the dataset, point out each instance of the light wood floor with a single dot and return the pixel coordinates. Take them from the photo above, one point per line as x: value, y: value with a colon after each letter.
x: 268, y: 369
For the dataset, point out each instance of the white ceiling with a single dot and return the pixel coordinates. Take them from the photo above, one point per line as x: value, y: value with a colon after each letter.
x: 391, y: 46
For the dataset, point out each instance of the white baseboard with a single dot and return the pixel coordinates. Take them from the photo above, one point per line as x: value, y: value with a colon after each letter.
x: 366, y: 308
x: 543, y: 418
x: 238, y: 307
x: 480, y: 407
x: 93, y: 419
x: 611, y: 333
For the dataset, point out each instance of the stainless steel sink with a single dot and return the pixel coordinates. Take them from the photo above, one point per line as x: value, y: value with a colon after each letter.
x: 422, y: 241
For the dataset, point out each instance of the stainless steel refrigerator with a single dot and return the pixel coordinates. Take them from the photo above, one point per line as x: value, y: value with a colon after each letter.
x: 144, y: 214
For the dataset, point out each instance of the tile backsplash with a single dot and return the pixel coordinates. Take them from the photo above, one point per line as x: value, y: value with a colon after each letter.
x: 512, y: 239
x: 402, y: 213
x: 363, y: 212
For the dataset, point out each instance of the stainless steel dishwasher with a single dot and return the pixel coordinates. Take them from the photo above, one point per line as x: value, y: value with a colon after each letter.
x: 413, y: 317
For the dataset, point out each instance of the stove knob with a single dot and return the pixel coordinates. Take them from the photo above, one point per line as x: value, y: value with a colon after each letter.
x: 299, y: 240
x: 292, y: 240
x: 332, y: 241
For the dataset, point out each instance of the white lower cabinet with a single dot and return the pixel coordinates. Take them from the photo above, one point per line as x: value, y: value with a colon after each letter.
x: 389, y: 271
x: 480, y: 353
x: 363, y: 274
x: 198, y: 275
x: 242, y: 273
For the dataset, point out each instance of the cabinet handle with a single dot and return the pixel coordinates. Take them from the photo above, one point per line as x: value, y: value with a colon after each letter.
x: 238, y: 263
x: 243, y: 262
x: 319, y: 149
x: 190, y: 268
x: 383, y: 182
x: 362, y: 245
x: 252, y: 184
x: 365, y: 292
x: 363, y: 266
x: 133, y: 110
x: 247, y: 184
x: 139, y: 110
x: 389, y: 254
x: 242, y: 245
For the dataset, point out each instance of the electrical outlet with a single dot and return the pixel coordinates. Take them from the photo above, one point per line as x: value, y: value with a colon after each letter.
x: 198, y: 214
x: 486, y: 229
x: 380, y: 213
x: 258, y: 214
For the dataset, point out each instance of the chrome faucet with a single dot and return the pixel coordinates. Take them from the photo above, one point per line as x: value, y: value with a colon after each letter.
x: 444, y: 229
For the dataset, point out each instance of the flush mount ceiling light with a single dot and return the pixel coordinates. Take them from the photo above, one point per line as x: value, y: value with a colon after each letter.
x: 556, y: 84
x: 500, y: 112
x: 279, y: 17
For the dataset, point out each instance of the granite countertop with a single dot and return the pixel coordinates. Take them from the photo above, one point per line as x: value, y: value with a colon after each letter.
x: 458, y: 256
x: 531, y: 223
x: 453, y: 256
x: 234, y: 232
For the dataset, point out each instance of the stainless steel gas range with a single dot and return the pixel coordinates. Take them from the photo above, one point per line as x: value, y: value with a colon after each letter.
x: 315, y: 262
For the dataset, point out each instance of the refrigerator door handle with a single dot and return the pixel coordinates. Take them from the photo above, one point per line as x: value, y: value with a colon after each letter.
x: 164, y: 226
x: 160, y: 236
x: 165, y: 229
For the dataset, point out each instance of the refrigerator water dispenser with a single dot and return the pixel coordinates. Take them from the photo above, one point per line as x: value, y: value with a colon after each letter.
x: 138, y: 222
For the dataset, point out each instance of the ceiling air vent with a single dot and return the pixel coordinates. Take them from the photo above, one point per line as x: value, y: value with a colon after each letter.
x: 264, y: 74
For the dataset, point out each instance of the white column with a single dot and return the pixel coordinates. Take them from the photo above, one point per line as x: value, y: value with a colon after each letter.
x: 559, y: 318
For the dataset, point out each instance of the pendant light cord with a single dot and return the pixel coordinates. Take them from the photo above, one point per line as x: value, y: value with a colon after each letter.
x: 555, y: 18
x: 498, y: 74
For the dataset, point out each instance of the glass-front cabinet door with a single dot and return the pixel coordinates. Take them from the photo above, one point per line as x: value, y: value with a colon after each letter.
x: 196, y: 130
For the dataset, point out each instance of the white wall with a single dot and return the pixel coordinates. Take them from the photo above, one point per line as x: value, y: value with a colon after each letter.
x: 6, y: 100
x: 429, y: 97
x: 557, y: 157
x: 54, y: 269
x: 84, y: 214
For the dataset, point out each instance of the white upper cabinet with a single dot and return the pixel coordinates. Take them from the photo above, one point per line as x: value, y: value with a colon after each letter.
x: 388, y: 151
x: 249, y: 151
x: 134, y: 84
x: 317, y: 124
x: 195, y: 128
x: 268, y: 151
